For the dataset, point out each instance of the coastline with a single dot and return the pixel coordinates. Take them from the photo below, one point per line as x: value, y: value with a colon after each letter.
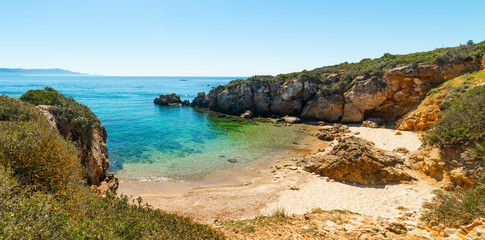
x: 279, y: 183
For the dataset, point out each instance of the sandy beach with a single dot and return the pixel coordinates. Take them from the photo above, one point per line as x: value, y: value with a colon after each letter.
x: 281, y: 184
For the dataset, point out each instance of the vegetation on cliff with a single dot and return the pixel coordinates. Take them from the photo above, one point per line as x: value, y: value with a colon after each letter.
x: 463, y: 124
x: 77, y: 119
x: 340, y: 78
x: 43, y: 196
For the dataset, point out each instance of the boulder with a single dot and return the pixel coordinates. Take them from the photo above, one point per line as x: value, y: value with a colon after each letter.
x: 356, y: 160
x: 185, y: 103
x: 326, y: 136
x: 324, y: 108
x: 168, y: 99
x: 247, y: 114
x: 108, y: 186
x: 201, y: 100
x: 369, y: 124
x: 289, y: 119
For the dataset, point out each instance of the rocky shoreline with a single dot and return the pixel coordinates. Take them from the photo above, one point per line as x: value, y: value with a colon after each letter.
x: 390, y: 97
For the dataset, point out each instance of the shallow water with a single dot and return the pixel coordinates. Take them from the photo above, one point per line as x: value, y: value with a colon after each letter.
x: 151, y: 142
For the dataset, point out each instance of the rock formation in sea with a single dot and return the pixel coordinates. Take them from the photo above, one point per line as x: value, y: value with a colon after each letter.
x: 168, y: 99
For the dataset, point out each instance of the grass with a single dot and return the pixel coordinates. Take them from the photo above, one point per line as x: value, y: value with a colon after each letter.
x: 460, y: 207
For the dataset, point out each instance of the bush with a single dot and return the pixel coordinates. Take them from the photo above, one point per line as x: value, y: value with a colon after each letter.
x: 464, y: 122
x: 14, y: 110
x: 83, y: 215
x: 460, y: 207
x: 48, y: 96
x: 38, y: 156
x: 42, y: 195
x: 76, y: 121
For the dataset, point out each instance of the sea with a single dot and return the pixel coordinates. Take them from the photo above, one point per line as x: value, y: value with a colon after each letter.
x: 147, y: 142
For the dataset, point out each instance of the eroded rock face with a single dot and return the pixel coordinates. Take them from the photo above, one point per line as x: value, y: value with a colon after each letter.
x: 356, y: 160
x: 108, y: 186
x: 328, y: 108
x: 201, y: 100
x: 168, y: 99
x: 93, y: 153
x: 390, y: 97
x: 448, y: 167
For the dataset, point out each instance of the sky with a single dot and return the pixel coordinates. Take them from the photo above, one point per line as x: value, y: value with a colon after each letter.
x: 225, y: 37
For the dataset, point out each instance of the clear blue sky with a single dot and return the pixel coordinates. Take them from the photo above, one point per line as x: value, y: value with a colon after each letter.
x: 225, y: 37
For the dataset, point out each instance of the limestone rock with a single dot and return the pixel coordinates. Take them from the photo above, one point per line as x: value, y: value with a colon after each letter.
x: 92, y: 151
x: 247, y: 114
x: 356, y: 160
x: 397, y: 227
x: 289, y: 119
x: 369, y: 124
x: 325, y: 136
x: 108, y: 186
x: 324, y: 108
x: 168, y: 99
x: 448, y: 167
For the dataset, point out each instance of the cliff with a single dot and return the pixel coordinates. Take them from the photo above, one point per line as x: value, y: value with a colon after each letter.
x: 386, y: 88
x: 430, y: 110
x: 92, y: 150
x: 78, y: 124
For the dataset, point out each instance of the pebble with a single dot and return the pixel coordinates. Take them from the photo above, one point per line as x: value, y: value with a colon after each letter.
x: 293, y: 168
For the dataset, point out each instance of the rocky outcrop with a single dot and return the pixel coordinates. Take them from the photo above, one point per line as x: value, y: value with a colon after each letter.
x: 168, y: 99
x: 356, y: 160
x: 201, y: 100
x: 429, y: 110
x: 108, y: 186
x: 425, y: 115
x: 92, y: 150
x: 324, y: 108
x: 401, y: 90
x: 448, y: 167
x: 388, y: 97
x: 260, y: 97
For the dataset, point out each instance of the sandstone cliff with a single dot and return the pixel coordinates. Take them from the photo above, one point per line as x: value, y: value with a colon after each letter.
x: 430, y: 109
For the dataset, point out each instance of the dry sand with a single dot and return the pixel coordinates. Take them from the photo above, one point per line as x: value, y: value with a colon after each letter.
x: 279, y: 183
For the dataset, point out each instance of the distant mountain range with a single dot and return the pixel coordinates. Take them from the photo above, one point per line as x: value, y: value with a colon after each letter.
x: 38, y: 72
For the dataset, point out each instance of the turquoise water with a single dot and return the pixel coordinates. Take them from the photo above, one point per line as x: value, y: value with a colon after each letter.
x: 150, y: 142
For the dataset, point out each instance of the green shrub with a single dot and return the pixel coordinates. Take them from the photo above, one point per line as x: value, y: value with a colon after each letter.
x: 76, y: 121
x: 459, y: 207
x: 38, y: 156
x: 82, y: 215
x: 48, y: 96
x: 14, y: 110
x: 464, y: 122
